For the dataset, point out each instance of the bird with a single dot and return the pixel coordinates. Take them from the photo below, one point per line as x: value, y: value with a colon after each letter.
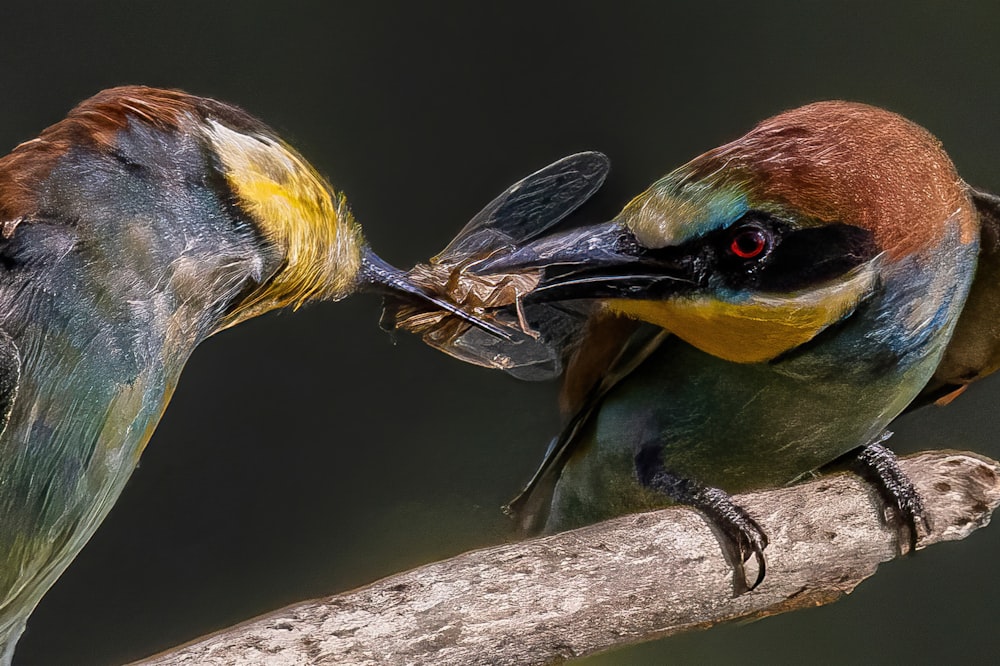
x: 763, y: 311
x: 144, y: 222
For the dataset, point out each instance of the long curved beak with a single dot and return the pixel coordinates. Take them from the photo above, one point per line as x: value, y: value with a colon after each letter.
x: 378, y: 275
x: 598, y: 261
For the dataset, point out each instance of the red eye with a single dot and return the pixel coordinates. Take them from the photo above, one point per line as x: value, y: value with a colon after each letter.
x: 749, y: 243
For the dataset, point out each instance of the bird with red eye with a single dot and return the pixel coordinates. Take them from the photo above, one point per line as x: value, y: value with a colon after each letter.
x: 777, y: 301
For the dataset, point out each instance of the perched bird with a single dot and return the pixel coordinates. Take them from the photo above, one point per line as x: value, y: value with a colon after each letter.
x: 754, y: 315
x: 143, y: 223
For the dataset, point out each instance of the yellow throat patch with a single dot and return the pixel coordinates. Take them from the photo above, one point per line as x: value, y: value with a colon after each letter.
x: 299, y: 213
x: 759, y: 327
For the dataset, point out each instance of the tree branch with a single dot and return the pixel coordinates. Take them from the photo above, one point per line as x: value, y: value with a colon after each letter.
x: 623, y: 581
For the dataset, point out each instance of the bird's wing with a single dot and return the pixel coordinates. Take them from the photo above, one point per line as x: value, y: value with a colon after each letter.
x: 600, y: 363
x: 974, y: 349
x: 10, y: 377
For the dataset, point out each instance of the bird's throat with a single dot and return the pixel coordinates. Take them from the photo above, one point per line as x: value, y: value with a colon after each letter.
x: 756, y: 328
x: 300, y: 214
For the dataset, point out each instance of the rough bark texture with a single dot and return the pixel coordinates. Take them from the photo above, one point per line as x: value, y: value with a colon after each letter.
x: 626, y: 580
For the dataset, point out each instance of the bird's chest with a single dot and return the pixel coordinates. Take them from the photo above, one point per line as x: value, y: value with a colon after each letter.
x: 730, y: 425
x: 93, y: 381
x: 744, y: 426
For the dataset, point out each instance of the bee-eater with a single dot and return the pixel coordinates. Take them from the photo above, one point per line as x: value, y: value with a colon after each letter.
x: 144, y: 222
x: 755, y: 314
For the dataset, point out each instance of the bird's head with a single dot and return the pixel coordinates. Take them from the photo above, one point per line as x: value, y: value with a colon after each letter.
x: 214, y: 200
x: 756, y: 246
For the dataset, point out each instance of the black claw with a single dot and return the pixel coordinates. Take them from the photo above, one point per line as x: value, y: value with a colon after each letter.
x: 740, y: 535
x: 880, y: 467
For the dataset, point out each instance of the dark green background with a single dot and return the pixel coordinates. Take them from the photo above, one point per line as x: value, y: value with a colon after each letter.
x: 305, y: 453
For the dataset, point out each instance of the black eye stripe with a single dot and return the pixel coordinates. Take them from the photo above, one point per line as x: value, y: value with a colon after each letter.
x: 815, y: 255
x: 792, y: 259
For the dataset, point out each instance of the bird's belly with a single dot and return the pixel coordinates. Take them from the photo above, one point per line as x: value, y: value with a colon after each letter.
x: 733, y: 426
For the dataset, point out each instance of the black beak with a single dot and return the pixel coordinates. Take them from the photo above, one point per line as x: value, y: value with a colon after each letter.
x: 380, y: 276
x: 598, y: 261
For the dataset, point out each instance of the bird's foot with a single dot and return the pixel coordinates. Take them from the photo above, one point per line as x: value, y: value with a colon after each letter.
x: 877, y: 464
x: 742, y: 538
x: 740, y: 535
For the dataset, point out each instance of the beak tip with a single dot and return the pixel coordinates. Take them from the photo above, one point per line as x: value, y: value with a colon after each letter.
x: 378, y: 275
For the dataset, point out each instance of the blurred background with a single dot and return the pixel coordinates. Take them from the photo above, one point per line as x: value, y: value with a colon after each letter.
x: 308, y: 453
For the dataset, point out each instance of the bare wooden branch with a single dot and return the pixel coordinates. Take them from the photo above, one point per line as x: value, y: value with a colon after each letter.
x: 623, y: 581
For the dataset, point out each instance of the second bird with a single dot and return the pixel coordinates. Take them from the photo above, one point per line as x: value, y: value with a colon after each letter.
x: 141, y: 224
x: 756, y: 314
